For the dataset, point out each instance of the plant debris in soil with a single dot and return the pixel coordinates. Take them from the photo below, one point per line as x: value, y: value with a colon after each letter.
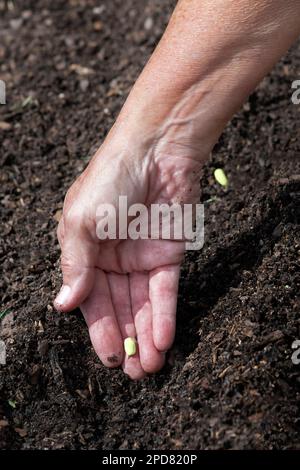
x: 230, y: 382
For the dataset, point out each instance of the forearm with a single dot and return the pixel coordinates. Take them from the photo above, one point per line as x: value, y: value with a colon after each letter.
x: 211, y: 57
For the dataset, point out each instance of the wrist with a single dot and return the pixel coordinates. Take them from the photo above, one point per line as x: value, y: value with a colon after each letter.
x: 190, y: 113
x: 178, y: 119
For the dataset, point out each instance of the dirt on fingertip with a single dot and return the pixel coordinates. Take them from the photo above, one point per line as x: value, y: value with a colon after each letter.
x: 230, y: 382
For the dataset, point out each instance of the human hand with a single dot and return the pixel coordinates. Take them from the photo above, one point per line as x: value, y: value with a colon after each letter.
x: 126, y: 288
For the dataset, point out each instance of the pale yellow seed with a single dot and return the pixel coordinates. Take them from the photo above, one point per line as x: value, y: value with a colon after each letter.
x: 220, y: 177
x: 130, y: 346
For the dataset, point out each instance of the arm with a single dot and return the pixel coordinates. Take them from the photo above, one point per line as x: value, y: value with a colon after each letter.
x: 211, y: 57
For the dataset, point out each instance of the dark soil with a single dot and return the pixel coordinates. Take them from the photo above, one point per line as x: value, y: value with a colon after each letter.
x: 231, y: 382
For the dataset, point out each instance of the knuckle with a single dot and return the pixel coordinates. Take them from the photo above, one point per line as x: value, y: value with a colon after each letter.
x: 67, y: 265
x: 67, y: 260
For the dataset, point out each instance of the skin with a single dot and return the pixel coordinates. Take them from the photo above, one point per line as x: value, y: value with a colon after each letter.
x: 211, y: 57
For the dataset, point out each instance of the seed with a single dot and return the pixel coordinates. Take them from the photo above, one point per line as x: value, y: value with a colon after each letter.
x: 130, y: 346
x: 220, y: 177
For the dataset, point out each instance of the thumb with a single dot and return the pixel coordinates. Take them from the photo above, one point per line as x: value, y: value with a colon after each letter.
x: 78, y: 261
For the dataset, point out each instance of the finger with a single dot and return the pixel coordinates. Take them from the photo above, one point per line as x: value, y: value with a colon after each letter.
x: 78, y: 261
x: 133, y: 368
x: 151, y: 359
x: 163, y: 289
x: 120, y: 294
x: 103, y: 327
x: 119, y: 288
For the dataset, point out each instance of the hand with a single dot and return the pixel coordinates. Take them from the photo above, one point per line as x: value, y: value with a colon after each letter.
x: 125, y: 287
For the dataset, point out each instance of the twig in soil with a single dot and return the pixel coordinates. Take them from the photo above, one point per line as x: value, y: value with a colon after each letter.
x: 224, y: 372
x: 272, y: 337
x: 56, y: 369
x: 20, y: 106
x: 290, y: 179
x: 4, y: 313
x: 7, y: 5
x: 211, y: 199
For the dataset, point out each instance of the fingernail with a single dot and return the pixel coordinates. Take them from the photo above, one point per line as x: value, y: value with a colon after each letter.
x: 63, y: 295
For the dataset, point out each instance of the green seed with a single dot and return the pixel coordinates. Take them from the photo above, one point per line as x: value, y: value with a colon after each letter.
x: 130, y: 346
x: 220, y: 177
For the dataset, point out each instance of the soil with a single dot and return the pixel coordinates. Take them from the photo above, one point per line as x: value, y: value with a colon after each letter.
x: 230, y: 382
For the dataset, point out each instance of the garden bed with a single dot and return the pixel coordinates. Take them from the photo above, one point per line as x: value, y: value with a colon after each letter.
x: 230, y: 381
